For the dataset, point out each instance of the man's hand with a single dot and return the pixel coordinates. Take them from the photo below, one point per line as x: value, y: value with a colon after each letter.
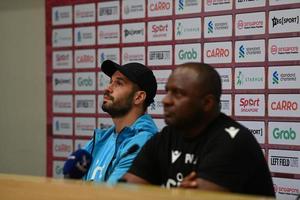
x: 193, y: 181
x: 190, y: 181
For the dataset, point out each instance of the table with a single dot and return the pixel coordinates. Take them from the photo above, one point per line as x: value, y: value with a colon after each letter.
x: 14, y: 187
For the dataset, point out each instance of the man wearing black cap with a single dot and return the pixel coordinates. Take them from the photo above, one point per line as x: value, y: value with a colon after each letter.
x: 131, y: 90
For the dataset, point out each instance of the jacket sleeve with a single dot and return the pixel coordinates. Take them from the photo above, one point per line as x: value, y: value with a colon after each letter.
x: 125, y: 160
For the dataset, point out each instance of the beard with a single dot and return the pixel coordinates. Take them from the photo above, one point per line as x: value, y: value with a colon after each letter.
x: 118, y: 107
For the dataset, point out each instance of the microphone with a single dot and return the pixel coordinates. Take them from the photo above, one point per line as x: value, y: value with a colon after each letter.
x: 77, y: 164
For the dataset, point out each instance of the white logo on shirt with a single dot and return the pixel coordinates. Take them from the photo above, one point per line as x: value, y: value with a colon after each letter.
x: 232, y: 131
x: 175, y: 155
x: 174, y: 183
x: 190, y: 159
x: 97, y: 171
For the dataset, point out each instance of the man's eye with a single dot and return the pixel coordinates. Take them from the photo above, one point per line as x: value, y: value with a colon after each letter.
x: 119, y: 83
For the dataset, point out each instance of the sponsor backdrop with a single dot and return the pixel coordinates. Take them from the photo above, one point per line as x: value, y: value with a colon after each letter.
x: 253, y: 44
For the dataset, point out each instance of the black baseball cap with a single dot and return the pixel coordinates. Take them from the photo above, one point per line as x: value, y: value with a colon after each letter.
x: 137, y: 73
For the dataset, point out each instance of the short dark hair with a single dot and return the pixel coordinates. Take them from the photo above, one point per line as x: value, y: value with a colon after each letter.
x: 208, y: 77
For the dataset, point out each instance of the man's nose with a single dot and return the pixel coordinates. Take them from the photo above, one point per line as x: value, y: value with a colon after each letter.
x: 109, y: 88
x: 167, y: 100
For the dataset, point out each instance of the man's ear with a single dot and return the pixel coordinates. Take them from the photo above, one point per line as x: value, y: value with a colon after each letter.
x: 209, y: 102
x: 139, y: 97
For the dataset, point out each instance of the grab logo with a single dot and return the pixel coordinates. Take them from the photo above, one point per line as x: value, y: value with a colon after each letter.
x: 286, y: 133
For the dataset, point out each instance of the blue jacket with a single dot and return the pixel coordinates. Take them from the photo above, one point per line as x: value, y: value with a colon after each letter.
x: 111, y: 159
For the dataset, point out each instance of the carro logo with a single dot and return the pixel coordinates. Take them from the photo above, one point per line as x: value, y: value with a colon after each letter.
x: 284, y: 105
x: 218, y: 52
x: 85, y: 59
x: 160, y: 6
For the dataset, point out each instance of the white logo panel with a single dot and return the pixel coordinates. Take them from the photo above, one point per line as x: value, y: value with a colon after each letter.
x: 85, y: 13
x: 250, y: 23
x: 85, y: 36
x: 283, y: 21
x: 112, y: 54
x: 187, y: 6
x: 226, y: 77
x: 62, y: 103
x: 249, y: 105
x: 61, y: 15
x: 218, y: 52
x: 187, y: 53
x: 62, y: 81
x: 160, y: 55
x: 226, y: 104
x: 62, y: 125
x: 285, y: 77
x: 62, y: 37
x: 218, y: 26
x: 250, y: 51
x: 257, y: 128
x: 160, y: 30
x: 284, y: 161
x: 287, y: 133
x: 108, y: 34
x: 132, y: 9
x: 133, y: 32
x: 108, y: 11
x: 281, y: 2
x: 213, y: 5
x: 159, y: 8
x: 240, y: 4
x: 187, y: 28
x: 286, y: 105
x: 85, y: 58
x: 85, y: 104
x: 133, y: 54
x: 62, y: 147
x: 250, y: 78
x: 283, y: 49
x: 84, y: 126
x: 85, y: 81
x: 62, y: 59
x: 286, y: 189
